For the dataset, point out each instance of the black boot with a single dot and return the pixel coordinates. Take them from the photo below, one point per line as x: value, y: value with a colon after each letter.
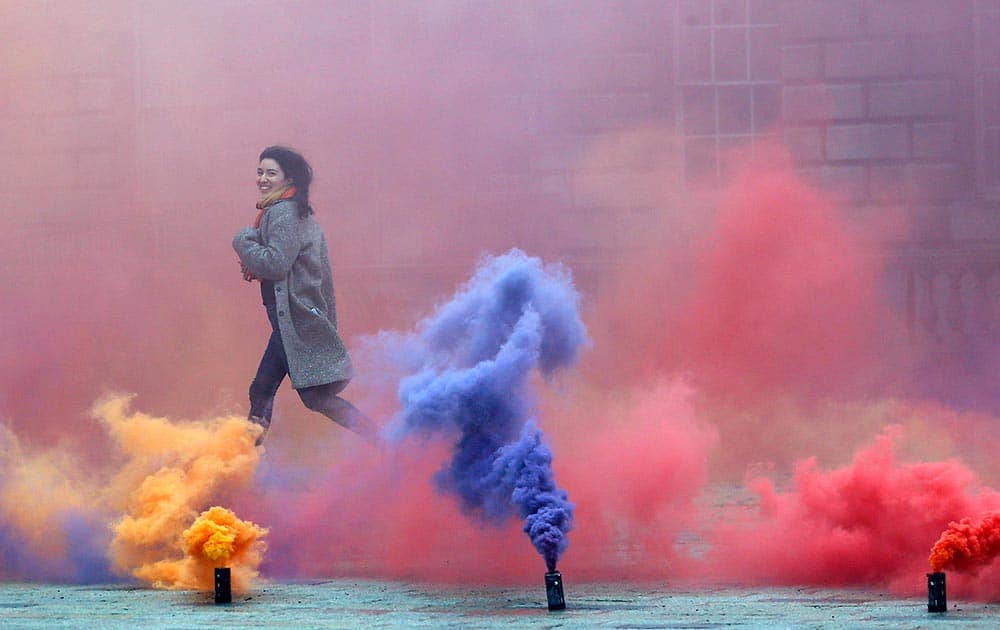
x: 263, y: 422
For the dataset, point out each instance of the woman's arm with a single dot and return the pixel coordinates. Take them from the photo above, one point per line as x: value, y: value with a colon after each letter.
x: 274, y: 260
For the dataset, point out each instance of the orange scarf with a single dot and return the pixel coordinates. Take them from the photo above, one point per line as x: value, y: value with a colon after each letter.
x: 285, y: 192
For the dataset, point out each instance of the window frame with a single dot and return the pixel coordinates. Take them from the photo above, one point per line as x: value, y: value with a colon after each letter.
x: 759, y: 127
x: 989, y: 191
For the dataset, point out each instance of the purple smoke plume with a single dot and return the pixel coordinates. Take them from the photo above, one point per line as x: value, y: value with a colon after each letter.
x: 470, y: 367
x: 523, y: 471
x: 85, y: 559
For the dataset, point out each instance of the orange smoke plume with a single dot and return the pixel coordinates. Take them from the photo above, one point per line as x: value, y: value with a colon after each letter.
x: 217, y: 538
x: 221, y: 538
x: 968, y: 545
x: 173, y: 470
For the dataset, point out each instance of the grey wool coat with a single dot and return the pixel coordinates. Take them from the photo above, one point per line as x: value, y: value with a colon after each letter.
x: 291, y: 251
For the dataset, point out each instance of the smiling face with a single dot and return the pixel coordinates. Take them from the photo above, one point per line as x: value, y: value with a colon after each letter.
x: 270, y: 177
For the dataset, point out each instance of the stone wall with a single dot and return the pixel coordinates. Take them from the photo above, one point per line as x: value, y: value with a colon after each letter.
x: 880, y: 105
x: 875, y: 98
x: 878, y: 101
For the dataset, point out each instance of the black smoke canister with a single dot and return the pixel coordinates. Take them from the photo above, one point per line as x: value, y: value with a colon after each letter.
x: 554, y: 590
x: 223, y: 586
x: 937, y: 598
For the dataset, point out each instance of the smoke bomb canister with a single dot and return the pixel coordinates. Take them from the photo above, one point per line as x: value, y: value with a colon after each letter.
x: 937, y: 599
x: 554, y: 590
x: 223, y: 586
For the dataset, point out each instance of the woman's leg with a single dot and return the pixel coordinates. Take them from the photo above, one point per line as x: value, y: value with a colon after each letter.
x: 324, y: 399
x: 272, y: 370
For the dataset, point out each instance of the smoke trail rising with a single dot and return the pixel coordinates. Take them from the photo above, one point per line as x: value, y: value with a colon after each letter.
x: 59, y: 524
x: 523, y: 471
x: 173, y: 470
x: 473, y: 360
x: 968, y: 545
x: 218, y: 538
x: 866, y: 523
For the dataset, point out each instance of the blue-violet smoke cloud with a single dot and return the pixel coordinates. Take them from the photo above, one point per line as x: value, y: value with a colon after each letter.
x: 470, y: 365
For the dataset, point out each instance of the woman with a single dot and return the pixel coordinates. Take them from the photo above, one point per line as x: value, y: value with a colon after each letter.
x: 286, y: 251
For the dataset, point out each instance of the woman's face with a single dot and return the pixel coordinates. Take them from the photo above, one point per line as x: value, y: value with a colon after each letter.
x: 270, y: 177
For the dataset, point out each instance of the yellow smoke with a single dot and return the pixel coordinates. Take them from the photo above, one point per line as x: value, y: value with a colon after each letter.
x: 219, y: 539
x: 171, y: 471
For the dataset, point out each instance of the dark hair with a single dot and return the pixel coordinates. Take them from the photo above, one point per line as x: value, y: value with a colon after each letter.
x: 296, y: 169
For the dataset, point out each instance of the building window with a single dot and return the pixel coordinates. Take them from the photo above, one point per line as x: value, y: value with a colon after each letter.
x: 728, y: 69
x: 987, y: 20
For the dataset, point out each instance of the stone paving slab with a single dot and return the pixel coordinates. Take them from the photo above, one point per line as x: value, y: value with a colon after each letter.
x: 377, y: 604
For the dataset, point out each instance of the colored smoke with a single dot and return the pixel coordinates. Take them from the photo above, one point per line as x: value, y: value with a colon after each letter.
x: 53, y: 523
x: 129, y: 517
x: 475, y: 356
x: 523, y: 471
x: 967, y: 545
x: 218, y: 538
x: 172, y: 471
x: 785, y: 298
x: 637, y: 462
x: 868, y: 522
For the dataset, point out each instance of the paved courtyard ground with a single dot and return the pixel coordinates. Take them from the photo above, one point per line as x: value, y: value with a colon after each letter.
x: 375, y: 604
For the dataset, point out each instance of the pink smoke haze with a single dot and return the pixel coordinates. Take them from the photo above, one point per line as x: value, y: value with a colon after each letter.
x: 732, y: 334
x: 636, y: 473
x: 786, y: 299
x: 865, y: 523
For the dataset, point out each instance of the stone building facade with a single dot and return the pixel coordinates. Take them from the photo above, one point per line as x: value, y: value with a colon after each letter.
x: 886, y: 102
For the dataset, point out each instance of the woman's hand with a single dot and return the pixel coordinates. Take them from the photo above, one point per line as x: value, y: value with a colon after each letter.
x: 246, y: 234
x: 247, y: 274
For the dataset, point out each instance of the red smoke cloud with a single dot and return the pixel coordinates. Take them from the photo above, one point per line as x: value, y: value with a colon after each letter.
x: 635, y: 467
x: 869, y: 522
x: 786, y: 296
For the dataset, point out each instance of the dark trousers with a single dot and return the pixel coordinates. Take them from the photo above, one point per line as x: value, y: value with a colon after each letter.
x: 323, y: 398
